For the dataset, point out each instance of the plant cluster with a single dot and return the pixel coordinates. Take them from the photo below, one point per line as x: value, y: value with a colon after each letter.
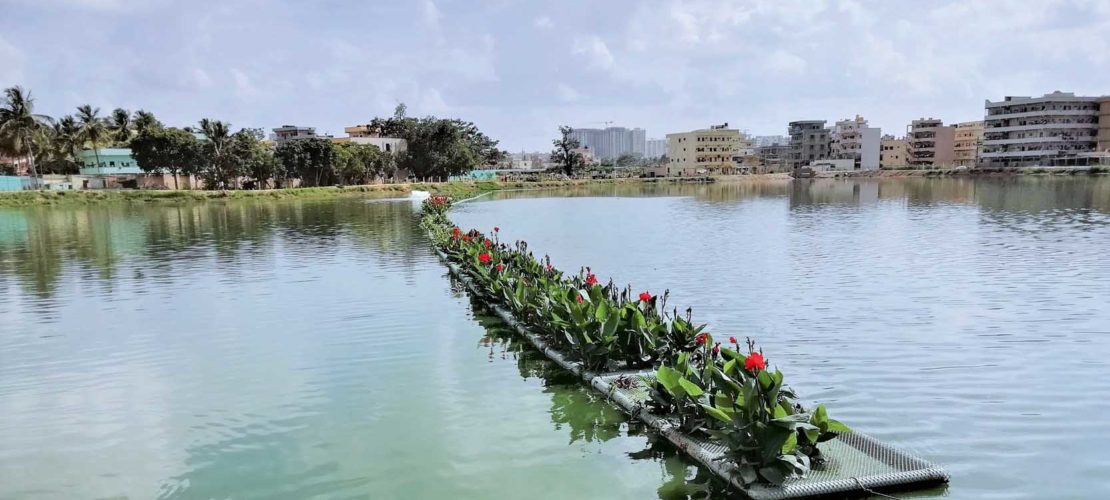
x: 721, y: 391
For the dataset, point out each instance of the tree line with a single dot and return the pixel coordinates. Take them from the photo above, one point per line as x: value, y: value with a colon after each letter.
x: 436, y: 147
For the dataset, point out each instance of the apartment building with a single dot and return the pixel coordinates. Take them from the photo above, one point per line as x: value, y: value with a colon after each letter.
x: 1022, y: 131
x: 612, y: 142
x: 287, y: 133
x: 852, y: 139
x: 655, y: 148
x: 707, y: 151
x: 774, y: 157
x: 966, y: 143
x: 1103, y: 144
x: 930, y: 143
x: 893, y: 152
x: 809, y: 141
x: 365, y: 134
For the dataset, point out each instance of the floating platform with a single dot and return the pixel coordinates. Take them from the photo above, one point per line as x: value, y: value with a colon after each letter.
x: 855, y: 463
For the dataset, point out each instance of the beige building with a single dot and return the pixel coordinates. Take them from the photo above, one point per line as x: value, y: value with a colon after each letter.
x: 1054, y: 129
x: 707, y: 151
x: 965, y: 147
x: 930, y: 143
x: 1104, y: 125
x: 893, y: 152
x: 364, y: 134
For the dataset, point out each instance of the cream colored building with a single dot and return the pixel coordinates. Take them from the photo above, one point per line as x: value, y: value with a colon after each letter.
x: 1103, y: 125
x: 364, y: 134
x: 930, y: 143
x: 893, y: 152
x: 714, y: 150
x: 968, y: 139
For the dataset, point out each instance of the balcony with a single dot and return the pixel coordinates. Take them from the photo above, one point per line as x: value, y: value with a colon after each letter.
x: 1045, y: 112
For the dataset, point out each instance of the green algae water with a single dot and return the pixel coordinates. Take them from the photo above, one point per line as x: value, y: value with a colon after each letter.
x: 318, y: 349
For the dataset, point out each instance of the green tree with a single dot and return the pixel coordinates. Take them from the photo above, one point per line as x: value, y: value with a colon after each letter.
x: 61, y: 143
x: 144, y: 121
x: 92, y: 130
x: 564, y: 153
x: 172, y: 150
x: 218, y: 167
x: 19, y: 124
x: 119, y: 126
x: 436, y: 147
x: 252, y: 157
x: 313, y: 161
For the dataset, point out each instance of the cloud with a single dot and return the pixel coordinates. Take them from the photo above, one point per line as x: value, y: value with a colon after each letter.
x: 567, y: 93
x: 431, y: 14
x: 784, y: 62
x: 594, y: 49
x: 11, y: 63
x: 201, y: 78
x: 431, y: 101
x: 243, y: 84
x: 543, y: 22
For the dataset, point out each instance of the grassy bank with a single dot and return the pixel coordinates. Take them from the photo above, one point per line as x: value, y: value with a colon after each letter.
x: 33, y: 198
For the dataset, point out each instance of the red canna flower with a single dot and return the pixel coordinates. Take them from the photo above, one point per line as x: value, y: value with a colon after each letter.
x: 644, y: 297
x: 484, y: 258
x: 716, y: 348
x: 755, y: 362
x: 455, y: 231
x: 732, y: 340
x: 578, y: 298
x: 701, y: 338
x: 466, y: 238
x: 591, y: 279
x: 499, y: 267
x: 487, y: 243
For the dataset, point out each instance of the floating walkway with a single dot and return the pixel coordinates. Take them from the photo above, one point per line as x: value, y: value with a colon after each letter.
x: 855, y: 463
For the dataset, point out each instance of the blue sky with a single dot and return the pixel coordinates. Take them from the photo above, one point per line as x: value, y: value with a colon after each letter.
x: 519, y: 69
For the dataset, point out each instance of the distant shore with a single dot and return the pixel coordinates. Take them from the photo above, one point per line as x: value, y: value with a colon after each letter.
x: 463, y: 189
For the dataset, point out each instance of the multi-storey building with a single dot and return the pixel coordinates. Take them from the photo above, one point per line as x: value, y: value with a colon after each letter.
x: 1026, y: 131
x: 769, y: 140
x: 966, y: 143
x: 365, y: 134
x: 286, y: 133
x: 773, y: 157
x: 612, y: 142
x: 706, y: 151
x: 655, y: 148
x: 1103, y: 144
x: 893, y: 152
x: 930, y: 143
x: 809, y: 141
x: 852, y: 139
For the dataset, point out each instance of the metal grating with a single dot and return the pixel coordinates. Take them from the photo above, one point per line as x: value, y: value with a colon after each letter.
x: 855, y: 462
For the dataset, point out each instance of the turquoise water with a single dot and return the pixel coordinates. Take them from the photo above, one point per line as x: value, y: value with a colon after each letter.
x: 317, y: 349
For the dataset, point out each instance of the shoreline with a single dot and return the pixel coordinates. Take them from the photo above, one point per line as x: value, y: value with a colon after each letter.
x: 466, y: 189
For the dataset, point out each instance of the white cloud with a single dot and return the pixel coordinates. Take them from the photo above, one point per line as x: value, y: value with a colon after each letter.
x: 784, y: 62
x: 11, y: 64
x: 201, y: 78
x: 543, y: 22
x: 243, y: 84
x: 431, y: 101
x: 594, y: 49
x: 431, y: 14
x: 567, y: 93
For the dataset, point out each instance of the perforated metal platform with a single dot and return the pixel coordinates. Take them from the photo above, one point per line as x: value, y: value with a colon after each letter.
x: 855, y: 462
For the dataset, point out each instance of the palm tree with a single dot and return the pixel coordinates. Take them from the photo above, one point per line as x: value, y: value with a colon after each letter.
x: 63, y: 143
x: 120, y: 125
x: 218, y: 134
x: 19, y: 124
x: 92, y: 129
x: 144, y: 121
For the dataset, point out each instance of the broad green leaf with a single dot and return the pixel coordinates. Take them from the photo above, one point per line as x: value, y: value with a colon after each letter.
x: 717, y: 414
x: 790, y: 444
x: 691, y: 388
x: 836, y: 426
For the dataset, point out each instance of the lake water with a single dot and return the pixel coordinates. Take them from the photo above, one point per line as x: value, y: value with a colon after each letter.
x: 299, y: 349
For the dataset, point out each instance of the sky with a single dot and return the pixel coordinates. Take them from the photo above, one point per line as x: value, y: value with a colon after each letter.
x: 520, y: 69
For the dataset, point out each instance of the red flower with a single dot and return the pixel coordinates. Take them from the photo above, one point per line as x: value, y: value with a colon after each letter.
x: 466, y: 238
x: 701, y: 338
x: 484, y: 258
x: 549, y: 267
x: 499, y: 267
x: 578, y: 298
x: 732, y: 340
x: 496, y: 229
x: 591, y: 279
x: 716, y: 348
x: 487, y: 243
x: 455, y: 231
x: 755, y: 362
x: 644, y: 297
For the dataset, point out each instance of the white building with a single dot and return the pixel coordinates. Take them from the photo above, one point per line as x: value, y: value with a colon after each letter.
x: 852, y: 139
x: 656, y: 148
x: 612, y: 142
x: 287, y: 133
x: 1026, y: 131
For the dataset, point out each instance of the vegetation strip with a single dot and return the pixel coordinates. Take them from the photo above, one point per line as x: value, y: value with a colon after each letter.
x: 702, y: 395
